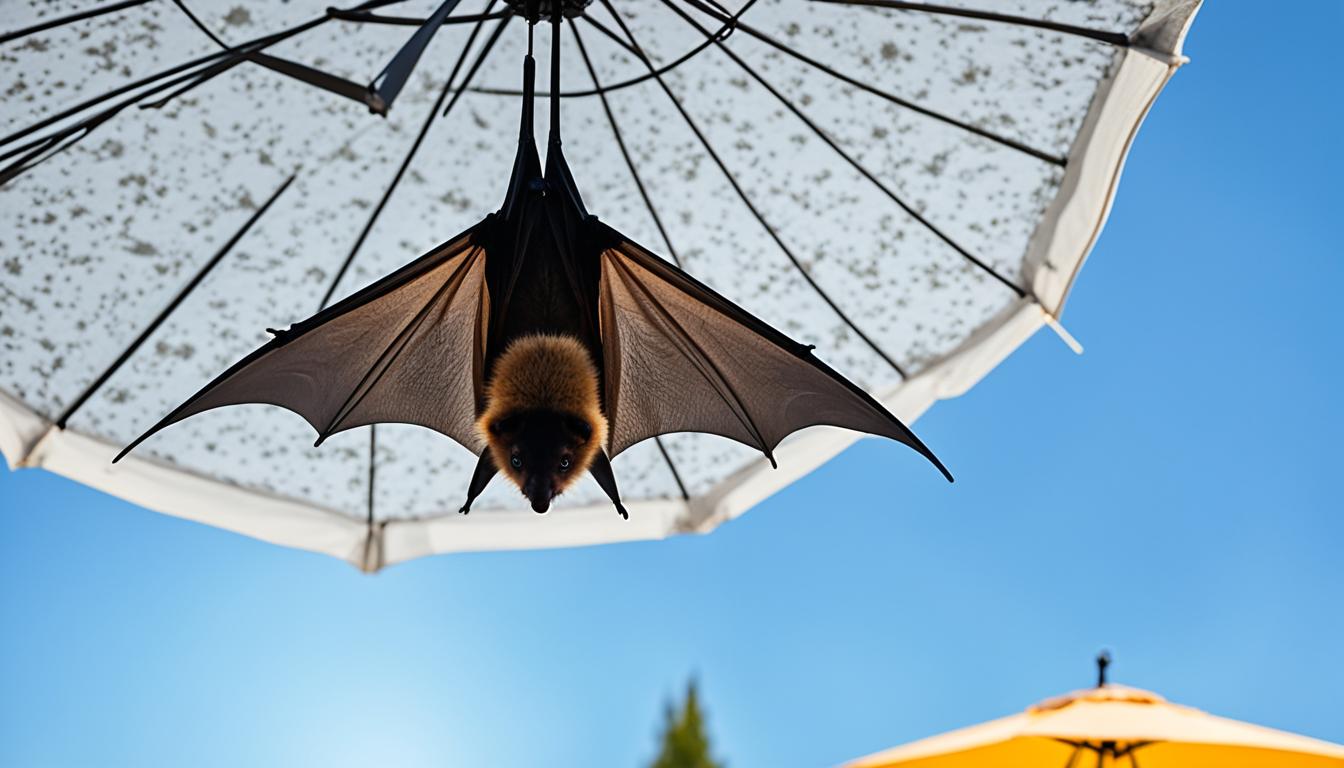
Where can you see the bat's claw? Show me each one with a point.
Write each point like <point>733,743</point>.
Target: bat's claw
<point>620,509</point>
<point>465,510</point>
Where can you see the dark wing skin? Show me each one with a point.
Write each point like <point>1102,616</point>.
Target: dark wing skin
<point>681,358</point>
<point>674,356</point>
<point>405,349</point>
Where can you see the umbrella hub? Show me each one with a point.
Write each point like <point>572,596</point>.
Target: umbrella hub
<point>546,9</point>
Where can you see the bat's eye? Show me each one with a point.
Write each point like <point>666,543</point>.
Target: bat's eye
<point>564,464</point>
<point>516,462</point>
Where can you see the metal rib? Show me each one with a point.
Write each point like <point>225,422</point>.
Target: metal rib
<point>363,17</point>
<point>415,147</point>
<point>676,476</point>
<point>388,83</point>
<point>89,14</point>
<point>475,65</point>
<point>96,100</point>
<point>722,32</point>
<point>210,33</point>
<point>43,123</point>
<point>648,203</point>
<point>373,449</point>
<point>1113,38</point>
<point>891,97</point>
<point>709,150</point>
<point>43,149</point>
<point>301,72</point>
<point>625,153</point>
<point>176,301</point>
<point>821,134</point>
<point>170,72</point>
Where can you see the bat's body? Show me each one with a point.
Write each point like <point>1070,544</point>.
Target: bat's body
<point>546,342</point>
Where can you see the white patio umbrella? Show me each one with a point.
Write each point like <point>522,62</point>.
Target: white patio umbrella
<point>911,187</point>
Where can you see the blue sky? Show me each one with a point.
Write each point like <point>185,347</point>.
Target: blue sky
<point>1173,495</point>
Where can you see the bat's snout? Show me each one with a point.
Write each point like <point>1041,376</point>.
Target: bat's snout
<point>540,493</point>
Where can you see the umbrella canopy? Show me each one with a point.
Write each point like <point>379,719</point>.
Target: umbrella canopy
<point>910,187</point>
<point>1112,725</point>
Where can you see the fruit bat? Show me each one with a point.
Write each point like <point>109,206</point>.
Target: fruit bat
<point>545,342</point>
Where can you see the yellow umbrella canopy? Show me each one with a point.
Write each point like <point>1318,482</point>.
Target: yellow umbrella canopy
<point>1111,725</point>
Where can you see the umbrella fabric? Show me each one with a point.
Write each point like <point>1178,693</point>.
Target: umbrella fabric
<point>1119,726</point>
<point>912,190</point>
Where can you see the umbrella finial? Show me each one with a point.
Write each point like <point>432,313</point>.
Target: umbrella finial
<point>1103,661</point>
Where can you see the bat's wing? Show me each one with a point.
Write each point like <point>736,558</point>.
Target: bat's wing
<point>405,349</point>
<point>681,358</point>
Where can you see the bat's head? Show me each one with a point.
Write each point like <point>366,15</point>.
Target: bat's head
<point>543,420</point>
<point>542,451</point>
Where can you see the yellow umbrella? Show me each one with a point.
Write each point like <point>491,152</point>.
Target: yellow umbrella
<point>1111,725</point>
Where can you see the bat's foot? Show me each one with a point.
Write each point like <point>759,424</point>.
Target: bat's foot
<point>465,510</point>
<point>620,509</point>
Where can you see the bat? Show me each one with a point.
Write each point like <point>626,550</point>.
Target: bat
<point>545,342</point>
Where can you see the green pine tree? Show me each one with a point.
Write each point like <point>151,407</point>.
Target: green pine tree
<point>684,741</point>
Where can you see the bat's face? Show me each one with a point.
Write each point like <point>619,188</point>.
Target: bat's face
<point>542,452</point>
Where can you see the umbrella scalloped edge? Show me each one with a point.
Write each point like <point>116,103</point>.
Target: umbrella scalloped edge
<point>1055,254</point>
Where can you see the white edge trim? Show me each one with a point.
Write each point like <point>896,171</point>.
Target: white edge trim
<point>1073,221</point>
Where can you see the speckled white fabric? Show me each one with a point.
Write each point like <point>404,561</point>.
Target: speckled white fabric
<point>98,239</point>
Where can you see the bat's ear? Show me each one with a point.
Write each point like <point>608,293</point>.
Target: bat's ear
<point>579,428</point>
<point>506,425</point>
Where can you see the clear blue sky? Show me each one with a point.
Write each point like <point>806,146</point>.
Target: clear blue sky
<point>1174,495</point>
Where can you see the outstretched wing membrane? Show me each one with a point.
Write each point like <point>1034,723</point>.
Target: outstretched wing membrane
<point>681,358</point>
<point>405,349</point>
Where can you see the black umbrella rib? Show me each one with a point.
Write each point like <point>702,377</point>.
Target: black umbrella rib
<point>653,213</point>
<point>1113,38</point>
<point>886,95</point>
<point>182,6</point>
<point>415,146</point>
<point>249,51</point>
<point>672,467</point>
<point>364,17</point>
<point>475,65</point>
<point>252,52</point>
<point>40,150</point>
<point>72,18</point>
<point>301,72</point>
<point>373,449</point>
<point>821,134</point>
<point>43,123</point>
<point>150,79</point>
<point>746,200</point>
<point>387,84</point>
<point>176,301</point>
<point>722,32</point>
<point>625,152</point>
